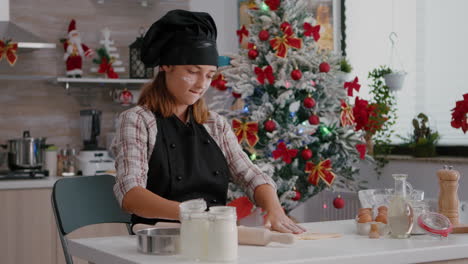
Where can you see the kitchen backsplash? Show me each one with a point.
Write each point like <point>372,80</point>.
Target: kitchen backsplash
<point>44,107</point>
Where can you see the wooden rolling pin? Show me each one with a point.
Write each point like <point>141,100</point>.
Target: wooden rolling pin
<point>262,236</point>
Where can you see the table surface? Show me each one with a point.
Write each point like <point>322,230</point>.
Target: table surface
<point>350,248</point>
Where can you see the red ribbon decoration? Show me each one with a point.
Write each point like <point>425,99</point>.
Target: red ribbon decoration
<point>361,148</point>
<point>266,73</point>
<point>352,85</point>
<point>243,207</point>
<point>219,83</point>
<point>310,30</point>
<point>346,116</point>
<point>286,154</point>
<point>241,33</point>
<point>106,67</point>
<point>246,131</point>
<point>9,49</point>
<point>323,171</point>
<point>281,44</point>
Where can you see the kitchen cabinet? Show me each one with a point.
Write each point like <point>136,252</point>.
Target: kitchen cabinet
<point>28,233</point>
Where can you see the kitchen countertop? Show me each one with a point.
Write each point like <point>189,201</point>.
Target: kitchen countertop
<point>44,183</point>
<point>350,248</point>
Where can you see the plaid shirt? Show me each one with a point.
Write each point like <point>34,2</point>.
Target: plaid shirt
<point>135,140</point>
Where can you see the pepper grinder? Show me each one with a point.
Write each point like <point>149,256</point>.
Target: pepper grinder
<point>448,193</point>
<point>448,198</point>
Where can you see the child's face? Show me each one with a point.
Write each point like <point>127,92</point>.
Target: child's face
<point>188,83</point>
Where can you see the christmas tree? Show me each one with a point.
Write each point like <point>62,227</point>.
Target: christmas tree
<point>109,58</point>
<point>292,114</point>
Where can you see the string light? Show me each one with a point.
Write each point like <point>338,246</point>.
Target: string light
<point>325,131</point>
<point>264,7</point>
<point>253,156</point>
<point>246,109</point>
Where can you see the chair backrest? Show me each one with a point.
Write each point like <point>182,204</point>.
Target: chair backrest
<point>85,200</point>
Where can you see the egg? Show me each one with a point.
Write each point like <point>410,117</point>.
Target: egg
<point>381,218</point>
<point>364,218</point>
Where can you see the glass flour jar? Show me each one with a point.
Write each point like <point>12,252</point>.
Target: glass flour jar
<point>419,208</point>
<point>222,238</point>
<point>193,229</point>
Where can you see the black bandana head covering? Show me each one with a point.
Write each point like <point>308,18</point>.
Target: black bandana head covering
<point>181,38</point>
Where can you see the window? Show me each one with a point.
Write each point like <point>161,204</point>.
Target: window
<point>432,46</point>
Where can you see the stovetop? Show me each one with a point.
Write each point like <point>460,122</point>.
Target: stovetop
<point>23,174</point>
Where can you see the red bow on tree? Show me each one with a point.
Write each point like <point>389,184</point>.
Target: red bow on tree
<point>460,114</point>
<point>284,152</point>
<point>361,148</point>
<point>9,49</point>
<point>323,171</point>
<point>346,117</point>
<point>106,67</point>
<point>352,85</point>
<point>266,73</point>
<point>241,33</point>
<point>243,207</point>
<point>246,131</point>
<point>310,30</point>
<point>219,83</point>
<point>281,44</point>
<point>273,4</point>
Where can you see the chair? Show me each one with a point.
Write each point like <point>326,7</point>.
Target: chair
<point>82,201</point>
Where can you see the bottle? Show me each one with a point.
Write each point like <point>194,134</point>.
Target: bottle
<point>400,213</point>
<point>69,162</point>
<point>193,229</point>
<point>222,239</point>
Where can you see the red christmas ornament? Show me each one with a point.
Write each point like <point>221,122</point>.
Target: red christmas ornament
<point>263,35</point>
<point>314,120</point>
<point>306,154</point>
<point>338,202</point>
<point>125,97</point>
<point>273,4</point>
<point>236,95</point>
<point>296,74</point>
<point>297,197</point>
<point>324,67</point>
<point>253,54</point>
<point>270,125</point>
<point>309,102</point>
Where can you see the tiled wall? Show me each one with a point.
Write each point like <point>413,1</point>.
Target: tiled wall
<point>44,107</point>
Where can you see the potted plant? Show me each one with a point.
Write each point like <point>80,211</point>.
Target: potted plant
<point>395,80</point>
<point>424,140</point>
<point>344,74</point>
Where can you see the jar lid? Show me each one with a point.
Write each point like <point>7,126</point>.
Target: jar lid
<point>435,223</point>
<point>195,205</point>
<point>223,212</point>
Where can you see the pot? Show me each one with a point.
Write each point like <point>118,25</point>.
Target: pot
<point>159,241</point>
<point>26,152</point>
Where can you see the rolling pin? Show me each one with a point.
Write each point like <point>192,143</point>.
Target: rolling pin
<point>262,236</point>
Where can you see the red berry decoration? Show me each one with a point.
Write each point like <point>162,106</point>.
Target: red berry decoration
<point>253,54</point>
<point>263,35</point>
<point>309,102</point>
<point>338,202</point>
<point>297,197</point>
<point>270,125</point>
<point>314,120</point>
<point>324,67</point>
<point>296,74</point>
<point>236,95</point>
<point>306,154</point>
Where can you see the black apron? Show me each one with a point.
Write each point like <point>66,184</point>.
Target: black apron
<point>186,163</point>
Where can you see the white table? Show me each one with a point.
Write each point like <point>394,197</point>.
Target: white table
<point>350,248</point>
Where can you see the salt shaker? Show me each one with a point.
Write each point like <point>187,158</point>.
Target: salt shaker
<point>222,238</point>
<point>448,194</point>
<point>193,229</point>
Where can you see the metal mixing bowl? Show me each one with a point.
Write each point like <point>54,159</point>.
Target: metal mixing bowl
<point>159,241</point>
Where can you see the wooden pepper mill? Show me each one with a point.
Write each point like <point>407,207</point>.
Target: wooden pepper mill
<point>448,197</point>
<point>448,193</point>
